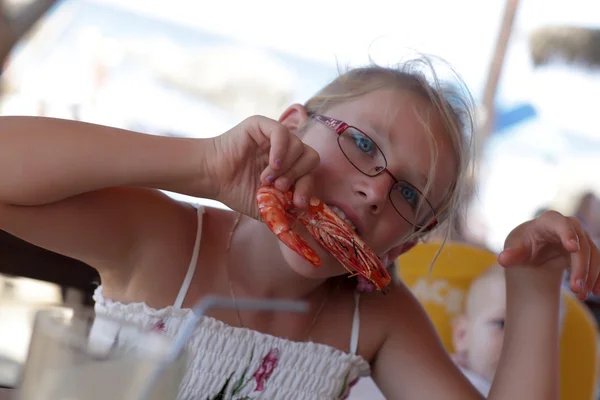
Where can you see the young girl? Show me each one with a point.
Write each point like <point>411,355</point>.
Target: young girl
<point>90,192</point>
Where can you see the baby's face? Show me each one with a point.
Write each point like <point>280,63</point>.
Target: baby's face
<point>485,327</point>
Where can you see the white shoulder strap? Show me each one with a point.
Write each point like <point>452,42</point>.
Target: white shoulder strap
<point>355,324</point>
<point>192,267</point>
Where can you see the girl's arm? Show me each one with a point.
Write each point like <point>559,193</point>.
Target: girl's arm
<point>85,191</point>
<point>528,367</point>
<point>413,364</point>
<point>89,191</point>
<point>44,160</point>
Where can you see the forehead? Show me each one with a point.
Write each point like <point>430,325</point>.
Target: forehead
<point>488,295</point>
<point>411,134</point>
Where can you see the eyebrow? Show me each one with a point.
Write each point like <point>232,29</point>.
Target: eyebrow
<point>377,130</point>
<point>421,179</point>
<point>418,179</point>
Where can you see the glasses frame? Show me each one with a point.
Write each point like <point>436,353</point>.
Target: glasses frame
<point>339,127</point>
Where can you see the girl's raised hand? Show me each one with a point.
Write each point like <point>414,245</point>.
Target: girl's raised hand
<point>553,242</point>
<point>256,151</point>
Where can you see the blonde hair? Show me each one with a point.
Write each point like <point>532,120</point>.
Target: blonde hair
<point>452,102</point>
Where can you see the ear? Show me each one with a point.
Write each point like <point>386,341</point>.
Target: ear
<point>459,334</point>
<point>294,118</point>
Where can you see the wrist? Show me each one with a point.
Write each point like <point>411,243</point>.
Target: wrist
<point>530,279</point>
<point>532,285</point>
<point>180,165</point>
<point>205,182</point>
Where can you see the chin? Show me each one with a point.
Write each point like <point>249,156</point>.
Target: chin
<point>329,267</point>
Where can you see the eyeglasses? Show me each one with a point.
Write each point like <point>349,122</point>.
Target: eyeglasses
<point>364,154</point>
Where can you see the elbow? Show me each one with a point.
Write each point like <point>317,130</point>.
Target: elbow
<point>9,199</point>
<point>4,214</point>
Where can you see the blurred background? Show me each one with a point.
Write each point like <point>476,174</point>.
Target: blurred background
<point>191,68</point>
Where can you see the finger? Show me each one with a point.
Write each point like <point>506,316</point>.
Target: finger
<point>594,274</point>
<point>303,165</point>
<point>595,265</point>
<point>303,190</point>
<point>580,257</point>
<point>592,285</point>
<point>593,270</point>
<point>293,152</point>
<point>513,257</point>
<point>566,229</point>
<point>271,137</point>
<point>280,139</point>
<point>574,240</point>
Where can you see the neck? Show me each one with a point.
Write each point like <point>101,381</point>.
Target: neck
<point>257,267</point>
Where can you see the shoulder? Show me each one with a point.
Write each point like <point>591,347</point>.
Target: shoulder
<point>396,315</point>
<point>396,307</point>
<point>169,234</point>
<point>175,220</point>
<point>167,226</point>
<point>216,221</point>
<point>410,360</point>
<point>384,312</point>
<point>398,320</point>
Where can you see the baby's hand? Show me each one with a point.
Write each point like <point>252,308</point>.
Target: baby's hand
<point>554,242</point>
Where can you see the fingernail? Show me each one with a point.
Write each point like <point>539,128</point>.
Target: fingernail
<point>278,162</point>
<point>579,283</point>
<point>576,242</point>
<point>270,179</point>
<point>303,200</point>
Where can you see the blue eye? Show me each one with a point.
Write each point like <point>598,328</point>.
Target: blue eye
<point>363,143</point>
<point>410,194</point>
<point>499,323</point>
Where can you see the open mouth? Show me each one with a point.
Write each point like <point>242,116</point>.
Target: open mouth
<point>343,216</point>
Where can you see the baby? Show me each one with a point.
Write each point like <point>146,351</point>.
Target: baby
<point>478,333</point>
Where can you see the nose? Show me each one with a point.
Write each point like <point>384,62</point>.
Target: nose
<point>374,191</point>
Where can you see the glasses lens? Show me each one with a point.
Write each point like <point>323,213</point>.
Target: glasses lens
<point>368,158</point>
<point>362,151</point>
<point>411,204</point>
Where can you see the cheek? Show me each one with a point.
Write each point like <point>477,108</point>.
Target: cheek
<point>488,341</point>
<point>481,338</point>
<point>497,342</point>
<point>327,147</point>
<point>333,170</point>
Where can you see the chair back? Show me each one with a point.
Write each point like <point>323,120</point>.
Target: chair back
<point>442,287</point>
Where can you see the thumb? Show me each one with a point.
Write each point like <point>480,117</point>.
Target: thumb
<point>514,256</point>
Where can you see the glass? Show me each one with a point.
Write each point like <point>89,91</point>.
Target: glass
<point>77,355</point>
<point>364,154</point>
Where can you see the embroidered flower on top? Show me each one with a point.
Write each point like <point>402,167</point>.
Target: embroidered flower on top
<point>347,392</point>
<point>159,327</point>
<point>266,368</point>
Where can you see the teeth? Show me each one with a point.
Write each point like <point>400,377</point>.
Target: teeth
<point>341,214</point>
